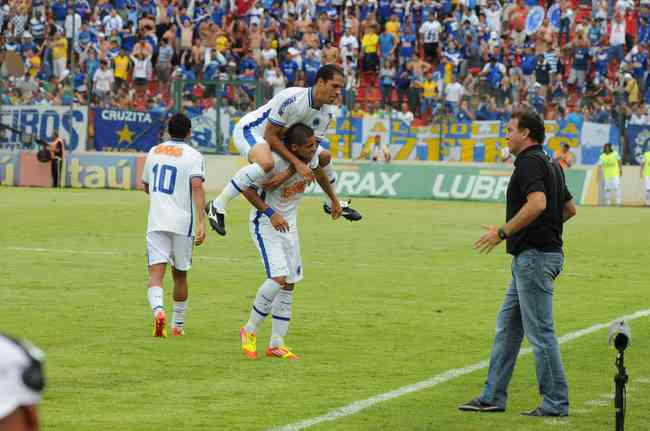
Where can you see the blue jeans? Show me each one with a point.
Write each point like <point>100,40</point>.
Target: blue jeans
<point>528,309</point>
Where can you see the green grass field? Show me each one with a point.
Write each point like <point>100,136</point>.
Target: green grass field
<point>387,302</point>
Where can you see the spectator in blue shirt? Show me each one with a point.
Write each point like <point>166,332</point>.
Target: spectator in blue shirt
<point>290,70</point>
<point>386,45</point>
<point>310,66</point>
<point>383,12</point>
<point>578,73</point>
<point>407,45</point>
<point>60,11</point>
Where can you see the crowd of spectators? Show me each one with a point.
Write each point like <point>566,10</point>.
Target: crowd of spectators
<point>414,60</point>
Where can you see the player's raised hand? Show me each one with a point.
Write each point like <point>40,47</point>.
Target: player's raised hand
<point>200,234</point>
<point>489,240</point>
<point>305,172</point>
<point>279,223</point>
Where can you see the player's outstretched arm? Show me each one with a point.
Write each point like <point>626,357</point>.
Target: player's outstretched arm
<point>324,183</point>
<point>198,196</point>
<point>273,135</point>
<point>278,222</point>
<point>278,179</point>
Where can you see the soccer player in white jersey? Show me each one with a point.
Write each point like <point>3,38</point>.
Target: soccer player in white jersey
<point>173,178</point>
<point>274,231</point>
<point>259,133</point>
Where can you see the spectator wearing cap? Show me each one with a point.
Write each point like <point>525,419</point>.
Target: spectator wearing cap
<point>528,65</point>
<point>21,385</point>
<point>493,73</point>
<point>103,80</point>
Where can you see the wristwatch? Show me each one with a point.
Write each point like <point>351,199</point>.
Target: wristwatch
<point>502,234</point>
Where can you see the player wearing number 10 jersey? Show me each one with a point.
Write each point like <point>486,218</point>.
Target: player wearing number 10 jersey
<point>173,177</point>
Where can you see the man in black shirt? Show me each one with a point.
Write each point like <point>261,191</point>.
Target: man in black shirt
<point>56,150</point>
<point>538,203</point>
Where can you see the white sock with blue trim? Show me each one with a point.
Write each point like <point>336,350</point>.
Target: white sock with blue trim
<point>178,317</point>
<point>243,179</point>
<point>262,304</point>
<point>281,313</point>
<point>155,296</point>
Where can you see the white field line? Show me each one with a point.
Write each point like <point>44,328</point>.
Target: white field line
<point>256,259</point>
<point>448,375</point>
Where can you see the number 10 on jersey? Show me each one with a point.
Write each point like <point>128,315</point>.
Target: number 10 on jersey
<point>164,179</point>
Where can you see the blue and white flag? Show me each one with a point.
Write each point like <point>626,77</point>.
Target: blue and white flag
<point>117,130</point>
<point>638,141</point>
<point>534,19</point>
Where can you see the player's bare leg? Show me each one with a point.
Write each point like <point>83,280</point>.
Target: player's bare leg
<point>155,296</point>
<point>261,162</point>
<point>180,301</point>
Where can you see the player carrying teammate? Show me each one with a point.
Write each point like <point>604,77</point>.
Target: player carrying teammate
<point>274,231</point>
<point>260,132</point>
<point>173,177</point>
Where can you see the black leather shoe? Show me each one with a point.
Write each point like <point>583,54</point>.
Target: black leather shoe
<point>538,412</point>
<point>476,405</point>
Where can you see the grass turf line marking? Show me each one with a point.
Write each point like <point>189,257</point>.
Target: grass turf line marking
<point>448,375</point>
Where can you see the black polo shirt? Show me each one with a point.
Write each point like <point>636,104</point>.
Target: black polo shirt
<point>535,172</point>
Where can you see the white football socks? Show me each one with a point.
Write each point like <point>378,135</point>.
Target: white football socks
<point>155,296</point>
<point>608,197</point>
<point>647,197</point>
<point>262,304</point>
<point>618,197</point>
<point>178,318</point>
<point>243,179</point>
<point>281,313</point>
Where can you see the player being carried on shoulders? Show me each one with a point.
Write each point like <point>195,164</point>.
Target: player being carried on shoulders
<point>274,230</point>
<point>260,132</point>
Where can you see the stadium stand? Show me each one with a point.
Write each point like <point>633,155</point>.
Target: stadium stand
<point>465,59</point>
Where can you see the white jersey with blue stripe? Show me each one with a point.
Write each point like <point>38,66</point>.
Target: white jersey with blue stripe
<point>169,170</point>
<point>290,106</point>
<point>284,199</point>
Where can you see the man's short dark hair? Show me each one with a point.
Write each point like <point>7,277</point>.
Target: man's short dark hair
<point>531,120</point>
<point>327,72</point>
<point>179,126</point>
<point>298,134</point>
